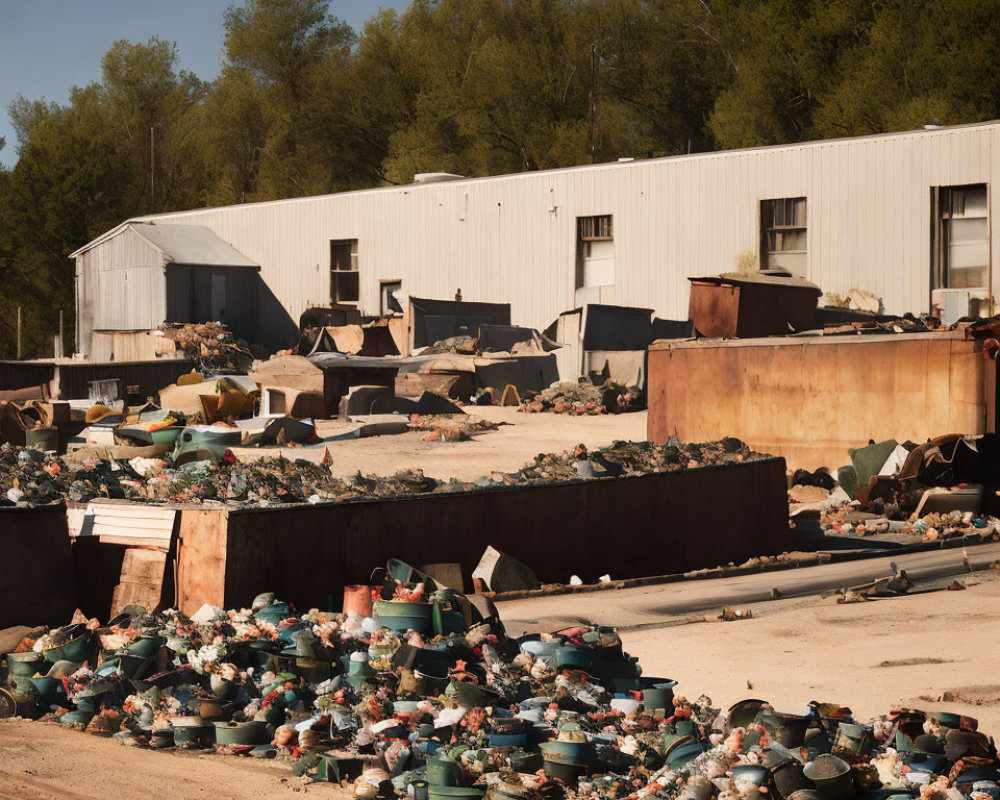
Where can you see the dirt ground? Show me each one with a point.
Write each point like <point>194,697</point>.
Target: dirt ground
<point>930,651</point>
<point>869,656</point>
<point>508,448</point>
<point>46,761</point>
<point>933,649</point>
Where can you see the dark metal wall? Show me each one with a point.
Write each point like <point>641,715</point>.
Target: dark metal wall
<point>189,297</point>
<point>627,527</point>
<point>36,584</point>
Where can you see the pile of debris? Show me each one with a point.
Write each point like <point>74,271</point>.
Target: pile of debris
<point>462,345</point>
<point>211,344</point>
<point>586,398</point>
<point>32,477</point>
<point>630,459</point>
<point>416,688</point>
<point>949,526</point>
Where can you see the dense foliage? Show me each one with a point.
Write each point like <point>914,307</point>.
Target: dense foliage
<point>306,105</point>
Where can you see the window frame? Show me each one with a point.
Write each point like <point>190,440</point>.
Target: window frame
<point>595,228</point>
<point>382,296</point>
<point>767,213</point>
<point>942,213</point>
<point>337,270</point>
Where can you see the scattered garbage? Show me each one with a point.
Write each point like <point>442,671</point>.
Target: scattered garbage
<point>211,344</point>
<point>586,398</point>
<point>427,696</point>
<point>210,472</point>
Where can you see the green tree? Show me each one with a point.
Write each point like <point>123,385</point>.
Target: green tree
<point>917,61</point>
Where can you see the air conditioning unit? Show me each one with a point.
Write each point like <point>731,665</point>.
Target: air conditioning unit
<point>958,303</point>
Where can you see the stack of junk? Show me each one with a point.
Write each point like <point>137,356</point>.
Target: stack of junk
<point>207,471</point>
<point>942,492</point>
<point>415,690</point>
<point>377,374</point>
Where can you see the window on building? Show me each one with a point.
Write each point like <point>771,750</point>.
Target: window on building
<point>783,235</point>
<point>595,253</point>
<point>961,245</point>
<point>344,284</point>
<point>388,304</point>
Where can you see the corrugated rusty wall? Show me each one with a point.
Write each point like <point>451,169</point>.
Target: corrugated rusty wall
<point>121,285</point>
<point>513,238</point>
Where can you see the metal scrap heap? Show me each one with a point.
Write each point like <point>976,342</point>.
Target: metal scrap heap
<point>416,690</point>
<point>33,477</point>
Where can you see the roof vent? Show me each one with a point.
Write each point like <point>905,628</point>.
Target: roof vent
<point>436,177</point>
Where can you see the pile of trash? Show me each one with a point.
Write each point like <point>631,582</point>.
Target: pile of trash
<point>630,459</point>
<point>463,345</point>
<point>416,690</point>
<point>211,344</point>
<point>964,526</point>
<point>586,398</point>
<point>938,491</point>
<point>33,477</point>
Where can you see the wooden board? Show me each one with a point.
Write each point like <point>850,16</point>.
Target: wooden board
<point>133,524</point>
<point>141,581</point>
<point>201,559</point>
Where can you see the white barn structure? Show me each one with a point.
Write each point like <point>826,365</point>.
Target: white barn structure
<point>900,215</point>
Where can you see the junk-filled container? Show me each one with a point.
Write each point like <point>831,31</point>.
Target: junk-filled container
<point>744,305</point>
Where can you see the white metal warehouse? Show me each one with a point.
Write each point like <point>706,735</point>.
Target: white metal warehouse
<point>900,215</point>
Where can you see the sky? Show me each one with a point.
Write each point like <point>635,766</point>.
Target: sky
<point>49,46</point>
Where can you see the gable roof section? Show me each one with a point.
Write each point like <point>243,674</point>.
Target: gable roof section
<point>193,245</point>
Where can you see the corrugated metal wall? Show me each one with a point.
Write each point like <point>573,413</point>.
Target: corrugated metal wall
<point>120,286</point>
<point>512,238</point>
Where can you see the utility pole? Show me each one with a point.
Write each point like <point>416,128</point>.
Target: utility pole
<point>60,353</point>
<point>19,333</point>
<point>593,102</point>
<point>152,163</point>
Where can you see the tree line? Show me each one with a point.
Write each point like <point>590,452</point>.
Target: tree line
<point>306,105</point>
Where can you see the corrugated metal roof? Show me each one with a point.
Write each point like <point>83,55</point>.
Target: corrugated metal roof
<point>193,245</point>
<point>616,166</point>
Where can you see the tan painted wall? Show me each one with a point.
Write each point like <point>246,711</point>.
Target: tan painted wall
<point>808,400</point>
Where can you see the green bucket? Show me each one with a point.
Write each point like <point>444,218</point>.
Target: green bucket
<point>403,615</point>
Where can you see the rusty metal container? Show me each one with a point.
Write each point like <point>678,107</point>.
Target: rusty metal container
<point>745,305</point>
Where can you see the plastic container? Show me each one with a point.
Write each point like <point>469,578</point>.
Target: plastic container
<point>359,599</point>
<point>404,615</point>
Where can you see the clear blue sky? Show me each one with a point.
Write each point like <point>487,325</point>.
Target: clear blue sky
<point>49,46</point>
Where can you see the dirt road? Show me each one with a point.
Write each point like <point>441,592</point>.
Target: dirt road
<point>910,650</point>
<point>510,447</point>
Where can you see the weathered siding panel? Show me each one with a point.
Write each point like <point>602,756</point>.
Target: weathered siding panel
<point>121,286</point>
<point>512,238</point>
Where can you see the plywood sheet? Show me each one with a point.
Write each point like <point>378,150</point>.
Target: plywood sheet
<point>141,582</point>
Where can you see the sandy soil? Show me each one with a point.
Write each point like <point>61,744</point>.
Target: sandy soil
<point>868,656</point>
<point>506,449</point>
<point>46,761</point>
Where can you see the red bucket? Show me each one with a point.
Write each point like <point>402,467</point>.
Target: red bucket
<point>358,598</point>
